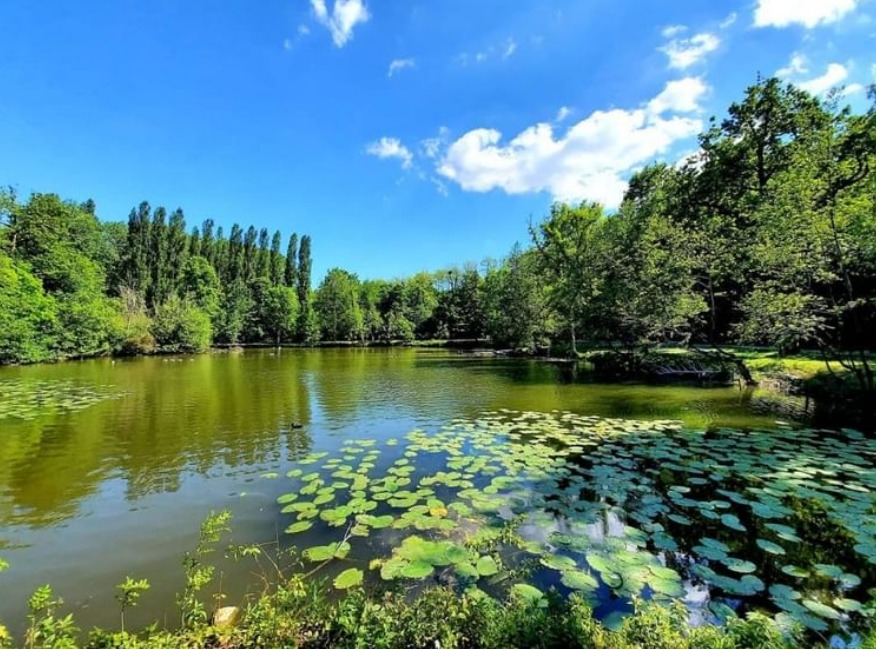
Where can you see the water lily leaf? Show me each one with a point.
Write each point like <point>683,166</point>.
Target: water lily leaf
<point>527,593</point>
<point>732,521</point>
<point>487,566</point>
<point>740,566</point>
<point>822,610</point>
<point>300,526</point>
<point>326,552</point>
<point>770,547</point>
<point>350,578</point>
<point>578,580</point>
<point>795,571</point>
<point>417,570</point>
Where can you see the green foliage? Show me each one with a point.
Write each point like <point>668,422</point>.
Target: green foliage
<point>337,306</point>
<point>279,313</point>
<point>198,573</point>
<point>28,317</point>
<point>180,325</point>
<point>45,630</point>
<point>128,593</point>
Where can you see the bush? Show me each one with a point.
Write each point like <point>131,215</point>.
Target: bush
<point>181,326</point>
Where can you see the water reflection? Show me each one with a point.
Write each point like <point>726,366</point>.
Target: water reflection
<point>120,486</point>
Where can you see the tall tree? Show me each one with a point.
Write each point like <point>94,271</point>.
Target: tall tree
<point>337,306</point>
<point>177,250</point>
<point>277,259</point>
<point>159,288</point>
<point>290,273</point>
<point>263,258</point>
<point>305,264</point>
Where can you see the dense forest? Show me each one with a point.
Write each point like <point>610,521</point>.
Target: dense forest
<point>766,236</point>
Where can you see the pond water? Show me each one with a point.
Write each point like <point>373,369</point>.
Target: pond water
<point>418,467</point>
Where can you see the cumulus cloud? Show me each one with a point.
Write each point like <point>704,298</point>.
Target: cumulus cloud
<point>342,19</point>
<point>562,114</point>
<point>809,13</point>
<point>589,161</point>
<point>390,148</point>
<point>433,146</point>
<point>680,96</point>
<point>798,65</point>
<point>836,73</point>
<point>510,48</point>
<point>729,21</point>
<point>398,65</point>
<point>673,30</point>
<point>685,52</point>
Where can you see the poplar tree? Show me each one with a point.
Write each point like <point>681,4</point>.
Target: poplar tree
<point>263,258</point>
<point>277,259</point>
<point>305,264</point>
<point>158,290</point>
<point>291,271</point>
<point>177,249</point>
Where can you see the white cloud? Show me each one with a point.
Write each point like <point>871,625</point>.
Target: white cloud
<point>809,13</point>
<point>504,52</point>
<point>562,114</point>
<point>287,44</point>
<point>304,30</point>
<point>681,96</point>
<point>797,66</point>
<point>836,73</point>
<point>589,161</point>
<point>400,64</point>
<point>685,52</point>
<point>342,19</point>
<point>432,147</point>
<point>729,21</point>
<point>388,148</point>
<point>673,30</point>
<point>853,89</point>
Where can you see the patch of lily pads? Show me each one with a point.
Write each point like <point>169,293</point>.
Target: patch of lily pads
<point>27,400</point>
<point>606,508</point>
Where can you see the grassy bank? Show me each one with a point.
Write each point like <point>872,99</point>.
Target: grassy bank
<point>302,613</point>
<point>299,609</point>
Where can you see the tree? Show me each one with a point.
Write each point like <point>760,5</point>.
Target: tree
<point>277,261</point>
<point>27,315</point>
<point>177,250</point>
<point>337,306</point>
<point>280,312</point>
<point>305,264</point>
<point>290,273</point>
<point>568,253</point>
<point>200,285</point>
<point>263,260</point>
<point>182,326</point>
<point>515,305</point>
<point>159,287</point>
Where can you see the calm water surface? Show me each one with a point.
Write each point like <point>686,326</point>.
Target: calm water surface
<point>119,488</point>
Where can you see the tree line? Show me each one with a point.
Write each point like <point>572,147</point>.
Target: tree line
<point>74,286</point>
<point>766,236</point>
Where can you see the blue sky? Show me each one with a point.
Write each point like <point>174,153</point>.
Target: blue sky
<point>402,135</point>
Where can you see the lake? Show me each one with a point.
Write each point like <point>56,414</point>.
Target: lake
<point>418,458</point>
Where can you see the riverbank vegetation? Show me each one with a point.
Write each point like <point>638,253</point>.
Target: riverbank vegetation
<point>766,236</point>
<point>297,609</point>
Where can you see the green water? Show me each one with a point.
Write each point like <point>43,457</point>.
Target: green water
<point>108,470</point>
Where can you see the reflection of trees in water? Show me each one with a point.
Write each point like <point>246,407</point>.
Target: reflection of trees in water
<point>177,417</point>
